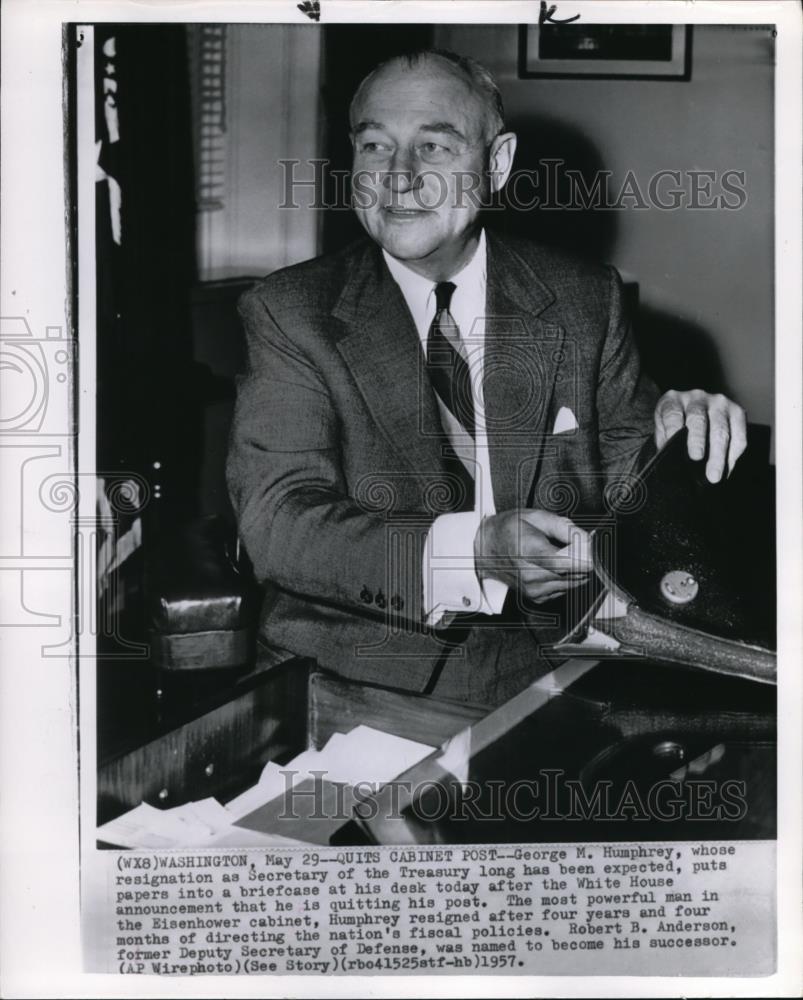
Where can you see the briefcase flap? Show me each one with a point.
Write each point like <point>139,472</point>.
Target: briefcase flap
<point>691,553</point>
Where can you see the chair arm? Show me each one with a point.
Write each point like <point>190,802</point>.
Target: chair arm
<point>202,605</point>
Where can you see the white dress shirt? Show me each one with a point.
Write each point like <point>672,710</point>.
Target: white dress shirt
<point>450,579</point>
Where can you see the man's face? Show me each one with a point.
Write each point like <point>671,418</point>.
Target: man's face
<point>420,162</point>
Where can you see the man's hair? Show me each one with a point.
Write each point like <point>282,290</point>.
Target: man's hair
<point>475,73</point>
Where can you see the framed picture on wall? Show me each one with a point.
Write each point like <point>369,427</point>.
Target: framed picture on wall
<point>606,51</point>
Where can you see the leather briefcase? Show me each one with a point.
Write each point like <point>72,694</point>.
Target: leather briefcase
<point>687,572</point>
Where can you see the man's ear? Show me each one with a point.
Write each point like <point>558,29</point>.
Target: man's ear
<point>500,160</point>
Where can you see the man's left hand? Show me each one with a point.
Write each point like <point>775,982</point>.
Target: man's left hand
<point>713,421</point>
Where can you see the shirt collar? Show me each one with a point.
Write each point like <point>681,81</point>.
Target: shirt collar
<point>418,290</point>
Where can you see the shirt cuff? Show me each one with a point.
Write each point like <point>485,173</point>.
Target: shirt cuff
<point>450,581</point>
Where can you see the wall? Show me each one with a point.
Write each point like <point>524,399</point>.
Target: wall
<point>705,277</point>
<point>272,113</point>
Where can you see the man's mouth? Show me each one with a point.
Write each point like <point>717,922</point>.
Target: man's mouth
<point>398,212</point>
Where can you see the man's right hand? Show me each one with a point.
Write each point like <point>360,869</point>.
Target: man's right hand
<point>539,553</point>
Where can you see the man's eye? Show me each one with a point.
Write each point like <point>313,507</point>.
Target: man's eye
<point>374,147</point>
<point>433,151</point>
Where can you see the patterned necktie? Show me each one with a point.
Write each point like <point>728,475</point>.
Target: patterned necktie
<point>448,372</point>
<point>451,379</point>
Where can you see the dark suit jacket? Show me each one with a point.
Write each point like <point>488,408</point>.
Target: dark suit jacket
<point>336,469</point>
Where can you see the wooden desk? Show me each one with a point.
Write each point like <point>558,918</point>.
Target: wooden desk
<point>615,721</point>
<point>269,716</point>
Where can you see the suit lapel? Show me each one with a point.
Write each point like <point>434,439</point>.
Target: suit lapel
<point>382,350</point>
<point>522,356</point>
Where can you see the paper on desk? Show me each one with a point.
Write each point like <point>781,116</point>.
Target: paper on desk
<point>146,826</point>
<point>274,781</point>
<point>188,825</point>
<point>238,836</point>
<point>203,819</point>
<point>271,783</point>
<point>363,755</point>
<point>317,809</point>
<point>369,755</point>
<point>138,828</point>
<point>364,758</point>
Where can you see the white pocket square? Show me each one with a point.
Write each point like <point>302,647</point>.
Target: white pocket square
<point>565,421</point>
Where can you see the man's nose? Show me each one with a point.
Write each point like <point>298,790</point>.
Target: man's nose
<point>402,175</point>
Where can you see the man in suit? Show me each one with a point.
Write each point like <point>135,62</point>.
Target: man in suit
<point>429,416</point>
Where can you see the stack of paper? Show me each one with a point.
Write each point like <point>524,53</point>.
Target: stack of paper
<point>322,783</point>
<point>320,787</point>
<point>188,825</point>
